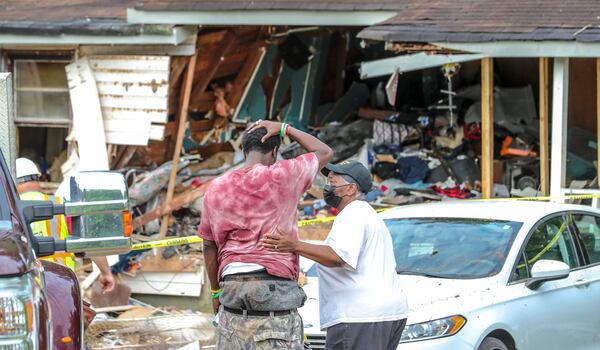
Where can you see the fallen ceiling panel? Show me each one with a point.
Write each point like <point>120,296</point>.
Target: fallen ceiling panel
<point>407,63</point>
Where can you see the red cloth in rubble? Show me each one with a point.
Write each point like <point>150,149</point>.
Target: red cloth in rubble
<point>454,192</point>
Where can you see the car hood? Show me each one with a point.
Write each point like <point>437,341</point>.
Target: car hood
<point>428,298</point>
<point>432,298</point>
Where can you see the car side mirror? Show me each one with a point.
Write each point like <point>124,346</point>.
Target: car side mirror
<point>99,208</point>
<point>547,270</point>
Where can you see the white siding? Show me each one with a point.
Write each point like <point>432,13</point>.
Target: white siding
<point>133,92</point>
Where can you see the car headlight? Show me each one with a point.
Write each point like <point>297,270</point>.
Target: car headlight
<point>443,327</point>
<point>17,313</point>
<point>14,316</point>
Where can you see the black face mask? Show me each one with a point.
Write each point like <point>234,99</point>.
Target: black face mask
<point>330,197</point>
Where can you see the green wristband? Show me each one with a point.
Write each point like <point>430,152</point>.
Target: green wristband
<point>217,295</point>
<point>282,130</point>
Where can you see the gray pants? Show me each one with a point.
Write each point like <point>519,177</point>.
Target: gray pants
<point>260,292</point>
<point>360,336</point>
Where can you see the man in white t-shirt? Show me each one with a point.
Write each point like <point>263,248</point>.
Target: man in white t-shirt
<point>362,305</point>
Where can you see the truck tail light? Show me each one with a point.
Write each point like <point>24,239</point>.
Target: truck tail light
<point>127,228</point>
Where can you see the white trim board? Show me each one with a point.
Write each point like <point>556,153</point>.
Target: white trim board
<point>523,49</point>
<point>260,17</point>
<point>177,36</point>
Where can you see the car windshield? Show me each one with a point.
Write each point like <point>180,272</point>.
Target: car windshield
<point>451,247</point>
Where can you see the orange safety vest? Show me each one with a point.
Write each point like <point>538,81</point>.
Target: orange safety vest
<point>57,228</point>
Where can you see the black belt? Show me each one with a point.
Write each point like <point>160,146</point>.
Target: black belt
<point>256,313</point>
<point>254,276</point>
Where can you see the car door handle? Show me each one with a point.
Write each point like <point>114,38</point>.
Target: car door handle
<point>581,283</point>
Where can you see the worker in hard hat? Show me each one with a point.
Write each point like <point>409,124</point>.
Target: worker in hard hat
<point>28,186</point>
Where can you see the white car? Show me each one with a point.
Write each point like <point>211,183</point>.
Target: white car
<point>495,275</point>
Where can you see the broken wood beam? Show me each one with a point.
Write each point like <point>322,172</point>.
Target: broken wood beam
<point>178,66</point>
<point>189,79</point>
<point>176,203</point>
<point>203,102</point>
<point>125,157</point>
<point>487,127</point>
<point>210,39</point>
<point>215,60</point>
<point>243,78</point>
<point>230,66</point>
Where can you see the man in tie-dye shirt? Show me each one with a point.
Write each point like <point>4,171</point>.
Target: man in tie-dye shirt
<point>255,291</point>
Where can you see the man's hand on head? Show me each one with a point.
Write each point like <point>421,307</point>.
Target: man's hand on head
<point>273,128</point>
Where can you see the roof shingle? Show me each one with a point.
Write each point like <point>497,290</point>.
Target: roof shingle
<point>490,20</point>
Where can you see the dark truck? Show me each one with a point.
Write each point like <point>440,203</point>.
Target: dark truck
<point>40,302</point>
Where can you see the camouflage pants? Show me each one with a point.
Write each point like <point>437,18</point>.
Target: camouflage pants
<point>237,332</point>
<point>260,292</point>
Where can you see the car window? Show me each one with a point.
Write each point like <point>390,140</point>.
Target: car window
<point>451,247</point>
<point>522,272</point>
<point>589,232</point>
<point>551,240</point>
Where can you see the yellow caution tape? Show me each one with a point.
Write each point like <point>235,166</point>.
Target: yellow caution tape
<point>167,242</point>
<point>543,198</point>
<point>302,223</point>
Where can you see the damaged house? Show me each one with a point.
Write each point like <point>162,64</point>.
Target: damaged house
<point>441,100</point>
<point>405,87</point>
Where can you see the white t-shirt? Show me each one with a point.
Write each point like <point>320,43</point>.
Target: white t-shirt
<point>367,289</point>
<point>240,267</point>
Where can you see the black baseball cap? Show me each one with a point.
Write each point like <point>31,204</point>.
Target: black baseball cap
<point>356,170</point>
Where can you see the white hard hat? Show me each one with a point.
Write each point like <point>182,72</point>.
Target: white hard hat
<point>27,170</point>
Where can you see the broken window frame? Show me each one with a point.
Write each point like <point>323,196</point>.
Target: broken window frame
<point>58,57</point>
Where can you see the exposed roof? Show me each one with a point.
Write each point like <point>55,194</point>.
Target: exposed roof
<point>490,20</point>
<point>233,5</point>
<point>522,211</point>
<point>63,10</point>
<point>54,17</point>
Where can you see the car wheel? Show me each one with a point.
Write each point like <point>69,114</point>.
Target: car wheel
<point>491,343</point>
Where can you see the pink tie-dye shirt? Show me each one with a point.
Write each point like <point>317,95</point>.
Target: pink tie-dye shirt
<point>243,205</point>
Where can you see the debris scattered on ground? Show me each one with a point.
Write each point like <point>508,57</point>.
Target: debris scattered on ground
<point>151,332</point>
